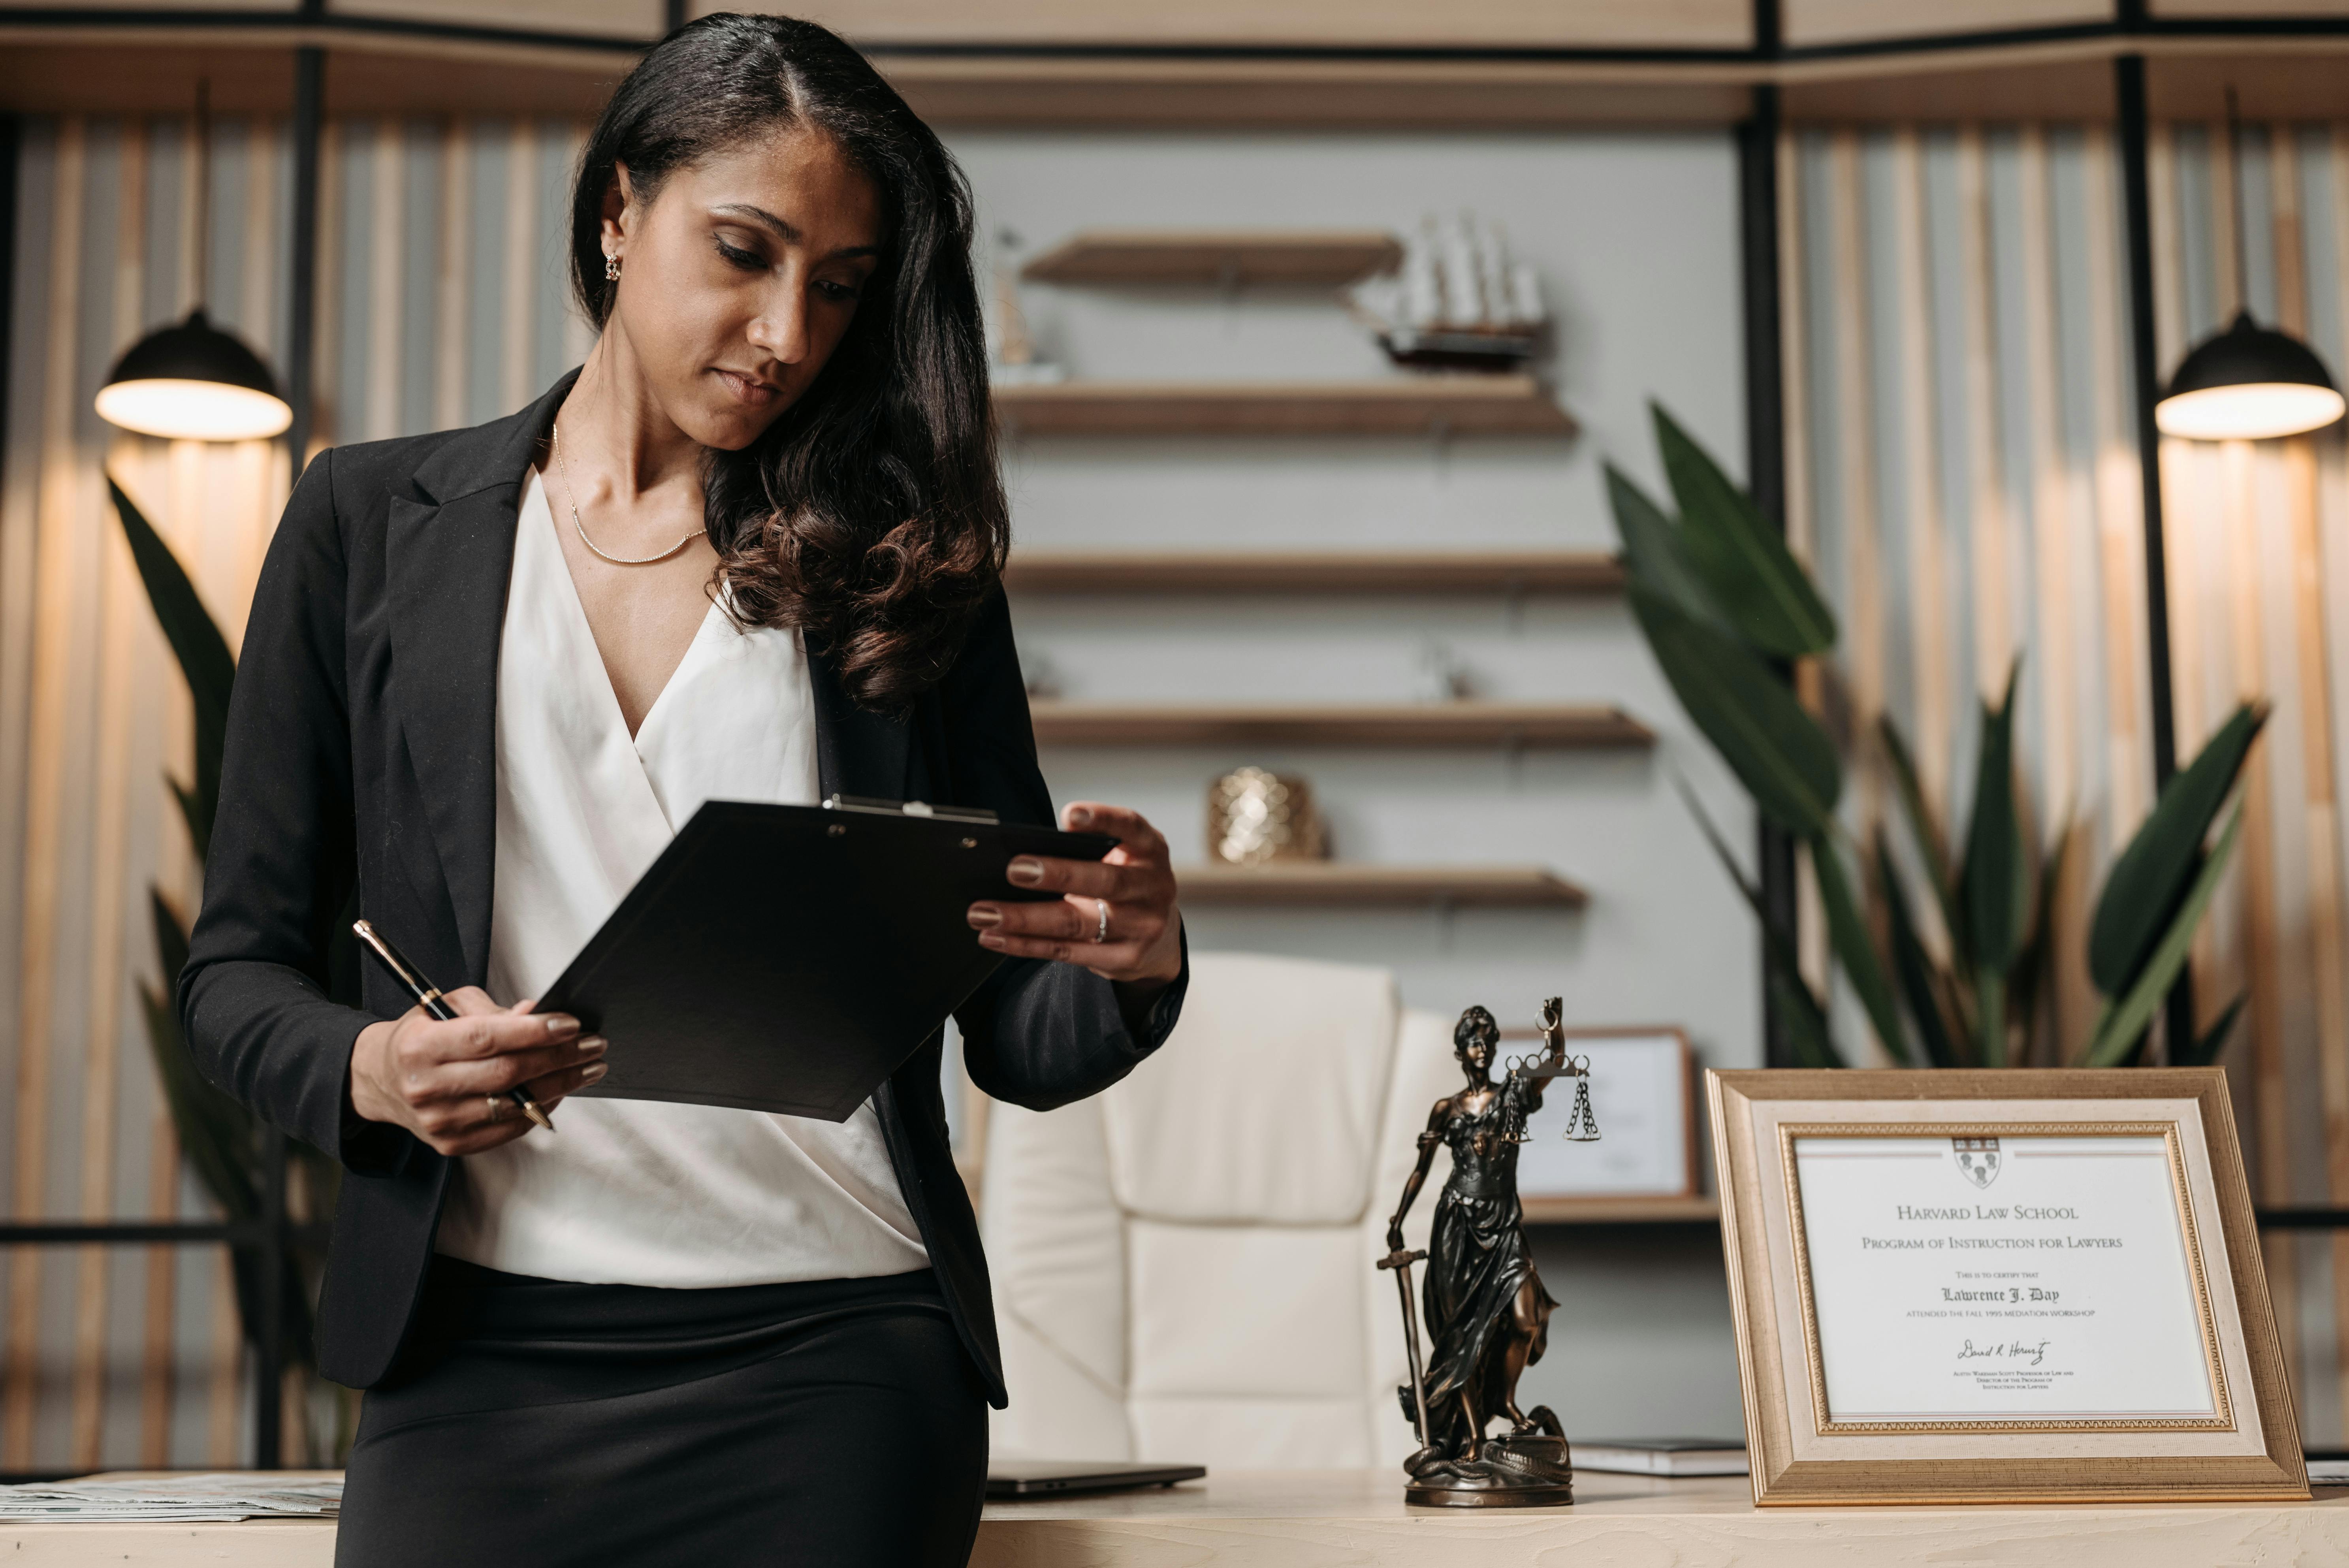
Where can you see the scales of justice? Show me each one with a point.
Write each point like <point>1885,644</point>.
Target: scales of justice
<point>1487,1314</point>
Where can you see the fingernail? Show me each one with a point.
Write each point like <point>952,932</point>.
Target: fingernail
<point>561,1023</point>
<point>594,1071</point>
<point>594,1045</point>
<point>1078,816</point>
<point>990,939</point>
<point>984,916</point>
<point>1026,871</point>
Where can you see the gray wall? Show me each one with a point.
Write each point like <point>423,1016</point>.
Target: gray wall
<point>1635,236</point>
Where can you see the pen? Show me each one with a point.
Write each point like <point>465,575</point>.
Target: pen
<point>428,996</point>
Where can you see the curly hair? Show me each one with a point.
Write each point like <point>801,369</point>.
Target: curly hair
<point>870,516</point>
<point>1475,1025</point>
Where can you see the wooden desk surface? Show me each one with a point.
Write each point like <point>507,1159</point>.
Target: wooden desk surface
<point>1296,1518</point>
<point>1319,1519</point>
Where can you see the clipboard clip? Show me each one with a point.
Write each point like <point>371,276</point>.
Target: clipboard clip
<point>870,807</point>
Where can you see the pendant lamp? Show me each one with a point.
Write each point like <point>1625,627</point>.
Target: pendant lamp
<point>2248,382</point>
<point>193,381</point>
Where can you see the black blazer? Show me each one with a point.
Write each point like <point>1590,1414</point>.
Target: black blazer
<point>361,754</point>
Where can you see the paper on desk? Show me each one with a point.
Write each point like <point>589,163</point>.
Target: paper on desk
<point>190,1498</point>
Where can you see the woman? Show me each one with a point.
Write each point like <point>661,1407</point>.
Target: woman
<point>1487,1313</point>
<point>750,551</point>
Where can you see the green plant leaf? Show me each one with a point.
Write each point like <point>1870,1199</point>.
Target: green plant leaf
<point>2033,966</point>
<point>2204,1053</point>
<point>1989,1017</point>
<point>1653,552</point>
<point>1911,965</point>
<point>2125,1018</point>
<point>219,1137</point>
<point>1924,830</point>
<point>194,813</point>
<point>215,1132</point>
<point>1747,571</point>
<point>1994,875</point>
<point>1778,750</point>
<point>1799,1013</point>
<point>2149,877</point>
<point>202,653</point>
<point>1855,949</point>
<point>1806,1021</point>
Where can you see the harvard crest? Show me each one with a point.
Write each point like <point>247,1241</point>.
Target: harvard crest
<point>1977,1158</point>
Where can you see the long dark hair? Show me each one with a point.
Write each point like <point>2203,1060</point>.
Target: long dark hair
<point>871,515</point>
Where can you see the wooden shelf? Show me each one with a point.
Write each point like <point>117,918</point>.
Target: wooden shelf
<point>1226,257</point>
<point>1292,882</point>
<point>1400,405</point>
<point>1313,572</point>
<point>1628,1211</point>
<point>1546,726</point>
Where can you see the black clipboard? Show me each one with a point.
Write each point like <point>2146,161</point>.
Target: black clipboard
<point>789,958</point>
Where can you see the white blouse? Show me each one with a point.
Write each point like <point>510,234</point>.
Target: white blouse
<point>640,1191</point>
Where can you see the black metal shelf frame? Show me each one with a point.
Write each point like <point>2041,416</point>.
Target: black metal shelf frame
<point>270,1238</point>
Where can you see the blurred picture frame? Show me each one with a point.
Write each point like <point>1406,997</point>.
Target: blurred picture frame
<point>2015,1286</point>
<point>1643,1093</point>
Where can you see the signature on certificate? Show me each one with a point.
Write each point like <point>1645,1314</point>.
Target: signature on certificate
<point>2013,1350</point>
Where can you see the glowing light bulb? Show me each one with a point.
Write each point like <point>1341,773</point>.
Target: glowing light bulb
<point>193,382</point>
<point>194,410</point>
<point>2249,383</point>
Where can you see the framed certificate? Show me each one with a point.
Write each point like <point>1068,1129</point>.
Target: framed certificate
<point>1998,1286</point>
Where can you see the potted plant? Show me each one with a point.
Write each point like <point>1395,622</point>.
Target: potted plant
<point>1727,610</point>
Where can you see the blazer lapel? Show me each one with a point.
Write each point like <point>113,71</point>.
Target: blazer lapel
<point>451,564</point>
<point>451,559</point>
<point>858,753</point>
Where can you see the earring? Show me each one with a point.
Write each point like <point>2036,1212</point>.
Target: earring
<point>612,268</point>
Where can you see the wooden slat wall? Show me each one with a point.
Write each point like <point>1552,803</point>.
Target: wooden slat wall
<point>119,1357</point>
<point>1998,394</point>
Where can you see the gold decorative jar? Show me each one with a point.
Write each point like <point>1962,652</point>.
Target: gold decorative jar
<point>1255,816</point>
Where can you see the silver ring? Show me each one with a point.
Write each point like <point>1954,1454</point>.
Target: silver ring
<point>1101,933</point>
<point>497,1108</point>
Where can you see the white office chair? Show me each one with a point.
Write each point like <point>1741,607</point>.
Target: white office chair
<point>1183,1265</point>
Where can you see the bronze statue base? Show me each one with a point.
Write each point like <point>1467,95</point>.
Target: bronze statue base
<point>1511,1497</point>
<point>1529,1471</point>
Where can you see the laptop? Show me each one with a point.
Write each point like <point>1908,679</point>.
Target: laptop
<point>1052,1477</point>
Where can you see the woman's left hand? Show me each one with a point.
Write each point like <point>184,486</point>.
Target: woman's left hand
<point>1115,916</point>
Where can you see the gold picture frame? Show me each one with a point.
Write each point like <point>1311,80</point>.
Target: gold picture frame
<point>2243,1445</point>
<point>1686,1182</point>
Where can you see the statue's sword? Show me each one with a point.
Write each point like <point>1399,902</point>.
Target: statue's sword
<point>1400,1261</point>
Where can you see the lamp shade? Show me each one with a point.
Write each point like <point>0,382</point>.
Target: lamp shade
<point>193,382</point>
<point>2249,383</point>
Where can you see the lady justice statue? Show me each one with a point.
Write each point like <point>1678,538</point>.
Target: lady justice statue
<point>1487,1314</point>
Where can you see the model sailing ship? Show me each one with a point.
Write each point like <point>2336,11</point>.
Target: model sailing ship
<point>1457,301</point>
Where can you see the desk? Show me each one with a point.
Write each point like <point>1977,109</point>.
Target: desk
<point>1319,1519</point>
<point>1307,1518</point>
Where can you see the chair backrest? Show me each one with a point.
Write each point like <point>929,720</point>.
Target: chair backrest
<point>1183,1265</point>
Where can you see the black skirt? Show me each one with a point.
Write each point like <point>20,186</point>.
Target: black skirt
<point>537,1422</point>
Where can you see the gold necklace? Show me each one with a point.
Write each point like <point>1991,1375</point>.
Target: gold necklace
<point>572,493</point>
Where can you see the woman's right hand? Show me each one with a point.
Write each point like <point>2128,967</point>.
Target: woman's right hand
<point>446,1080</point>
